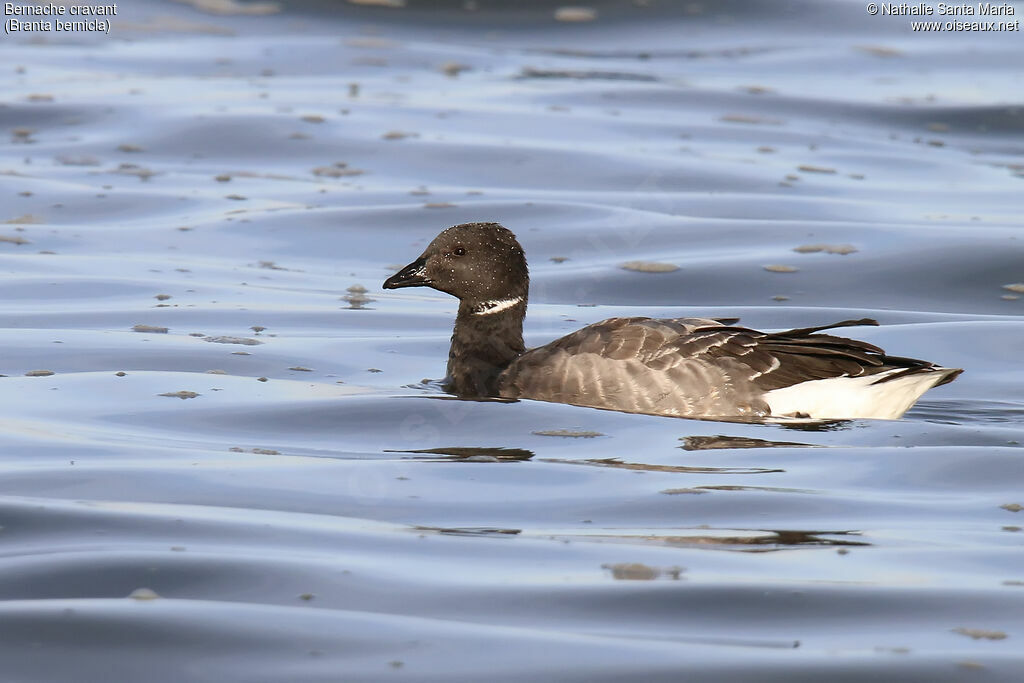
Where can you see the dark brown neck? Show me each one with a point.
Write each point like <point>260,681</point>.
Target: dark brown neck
<point>488,336</point>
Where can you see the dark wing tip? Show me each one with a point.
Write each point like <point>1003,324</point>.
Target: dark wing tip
<point>802,331</point>
<point>955,372</point>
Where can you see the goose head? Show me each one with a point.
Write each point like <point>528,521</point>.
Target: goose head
<point>479,263</point>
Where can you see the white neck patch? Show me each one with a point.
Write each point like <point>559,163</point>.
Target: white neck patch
<point>489,307</point>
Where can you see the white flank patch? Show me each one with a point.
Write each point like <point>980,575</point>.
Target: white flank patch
<point>497,306</point>
<point>844,398</point>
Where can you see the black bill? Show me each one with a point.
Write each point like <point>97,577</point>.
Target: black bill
<point>413,275</point>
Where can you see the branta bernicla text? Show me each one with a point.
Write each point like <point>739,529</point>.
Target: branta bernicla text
<point>684,367</point>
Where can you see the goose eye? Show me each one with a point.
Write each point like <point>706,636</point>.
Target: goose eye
<point>459,251</point>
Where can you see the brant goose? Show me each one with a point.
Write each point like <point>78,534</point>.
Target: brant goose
<point>684,367</point>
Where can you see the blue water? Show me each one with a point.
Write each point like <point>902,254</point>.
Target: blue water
<point>317,513</point>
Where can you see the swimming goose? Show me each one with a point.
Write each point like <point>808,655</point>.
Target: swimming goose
<point>684,367</point>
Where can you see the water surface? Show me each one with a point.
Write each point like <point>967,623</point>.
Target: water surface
<point>234,471</point>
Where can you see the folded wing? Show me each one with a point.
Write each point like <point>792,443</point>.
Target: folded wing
<point>696,367</point>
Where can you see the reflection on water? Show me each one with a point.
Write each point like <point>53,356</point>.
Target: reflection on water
<point>727,487</point>
<point>469,531</point>
<point>746,540</point>
<point>202,204</point>
<point>470,454</point>
<point>687,469</point>
<point>705,443</point>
